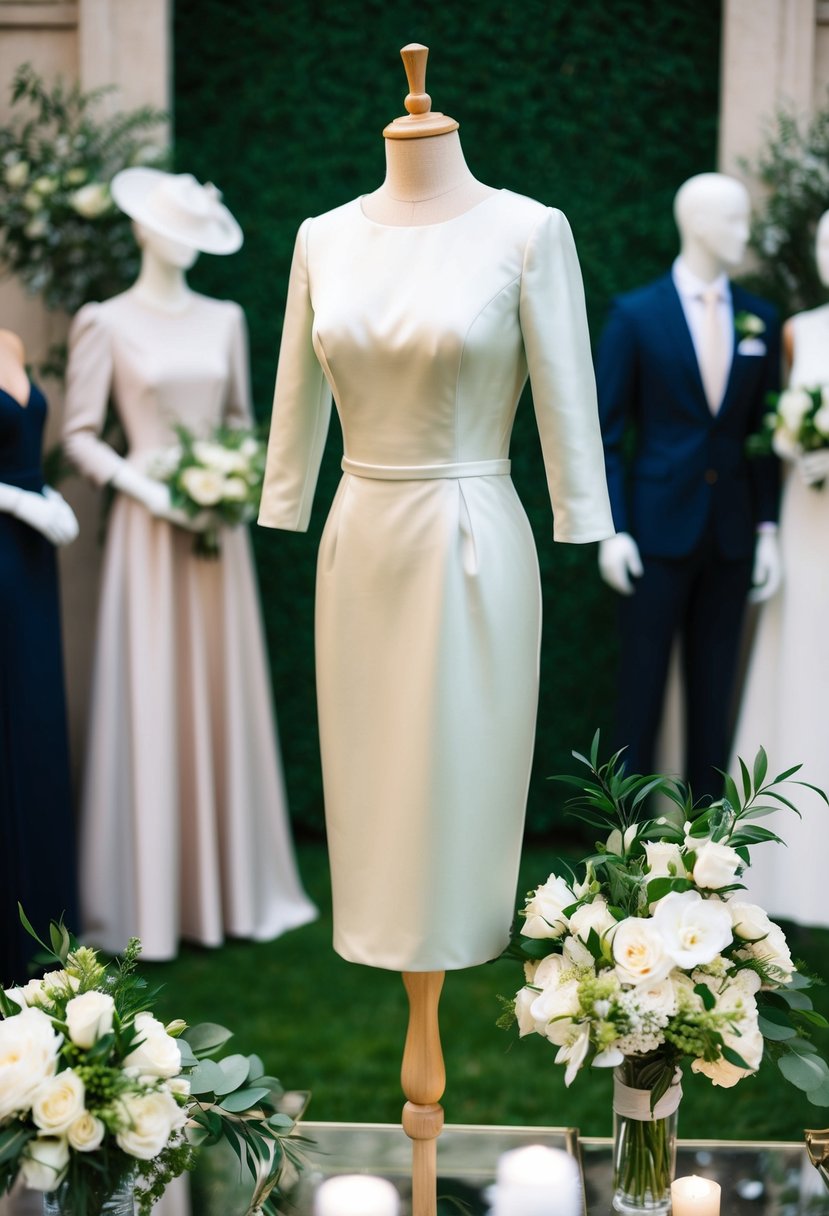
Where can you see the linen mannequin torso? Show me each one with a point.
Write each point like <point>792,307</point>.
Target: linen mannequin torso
<point>428,605</point>
<point>184,826</point>
<point>787,684</point>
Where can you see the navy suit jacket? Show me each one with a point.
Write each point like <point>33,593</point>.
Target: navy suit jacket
<point>688,468</point>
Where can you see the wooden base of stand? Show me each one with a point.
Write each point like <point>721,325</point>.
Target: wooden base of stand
<point>423,1078</point>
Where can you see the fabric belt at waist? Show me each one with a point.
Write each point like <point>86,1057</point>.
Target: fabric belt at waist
<point>426,472</point>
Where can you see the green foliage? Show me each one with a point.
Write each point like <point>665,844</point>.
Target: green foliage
<point>794,168</point>
<point>602,110</point>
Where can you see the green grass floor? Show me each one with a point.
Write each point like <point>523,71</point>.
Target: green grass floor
<point>337,1030</point>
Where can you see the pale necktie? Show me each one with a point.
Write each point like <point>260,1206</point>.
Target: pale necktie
<point>713,352</point>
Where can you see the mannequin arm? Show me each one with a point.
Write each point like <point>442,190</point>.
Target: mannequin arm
<point>768,569</point>
<point>238,411</point>
<point>48,513</point>
<point>620,562</point>
<point>88,381</point>
<point>155,496</point>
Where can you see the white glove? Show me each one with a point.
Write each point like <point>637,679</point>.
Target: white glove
<point>619,562</point>
<point>48,513</point>
<point>767,573</point>
<point>813,466</point>
<point>155,496</point>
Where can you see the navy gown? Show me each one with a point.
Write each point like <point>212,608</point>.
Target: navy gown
<point>37,848</point>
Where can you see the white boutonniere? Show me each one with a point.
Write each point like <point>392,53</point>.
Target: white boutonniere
<point>749,325</point>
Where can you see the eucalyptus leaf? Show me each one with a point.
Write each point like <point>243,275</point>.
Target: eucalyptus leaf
<point>805,1072</point>
<point>206,1077</point>
<point>777,1032</point>
<point>243,1099</point>
<point>235,1071</point>
<point>207,1036</point>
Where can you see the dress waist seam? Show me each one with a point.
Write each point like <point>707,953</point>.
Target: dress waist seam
<point>426,472</point>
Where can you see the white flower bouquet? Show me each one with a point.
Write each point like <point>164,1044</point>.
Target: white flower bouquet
<point>222,475</point>
<point>796,423</point>
<point>61,232</point>
<point>651,956</point>
<point>94,1090</point>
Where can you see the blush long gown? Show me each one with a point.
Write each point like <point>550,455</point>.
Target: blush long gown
<point>184,826</point>
<point>428,596</point>
<point>786,692</point>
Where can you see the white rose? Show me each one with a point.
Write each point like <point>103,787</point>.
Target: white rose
<point>523,1011</point>
<point>694,930</point>
<point>74,177</point>
<point>576,953</point>
<point>663,859</point>
<point>214,456</point>
<point>29,1048</point>
<point>87,1133</point>
<point>89,1017</point>
<point>16,995</point>
<point>180,1086</point>
<point>44,1163</point>
<point>37,227</point>
<point>553,1011</point>
<point>17,174</point>
<point>91,200</point>
<point>204,486</point>
<point>147,1123</point>
<point>821,421</point>
<point>249,447</point>
<point>543,912</point>
<point>45,185</point>
<point>60,983</point>
<point>595,915</point>
<point>792,407</point>
<point>572,1054</point>
<point>236,490</point>
<point>658,998</point>
<point>32,201</point>
<point>33,993</point>
<point>742,1034</point>
<point>639,952</point>
<point>765,940</point>
<point>158,1055</point>
<point>716,865</point>
<point>548,978</point>
<point>58,1102</point>
<point>784,444</point>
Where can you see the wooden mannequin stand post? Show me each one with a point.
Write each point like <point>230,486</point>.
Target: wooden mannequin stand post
<point>423,1078</point>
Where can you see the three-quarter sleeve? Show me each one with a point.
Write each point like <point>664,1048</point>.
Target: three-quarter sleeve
<point>301,409</point>
<point>238,410</point>
<point>88,380</point>
<point>557,344</point>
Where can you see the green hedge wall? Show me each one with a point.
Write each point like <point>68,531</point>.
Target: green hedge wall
<point>600,109</point>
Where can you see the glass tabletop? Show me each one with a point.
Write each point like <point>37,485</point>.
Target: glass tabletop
<point>757,1179</point>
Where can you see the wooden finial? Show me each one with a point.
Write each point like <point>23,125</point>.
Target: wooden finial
<point>420,120</point>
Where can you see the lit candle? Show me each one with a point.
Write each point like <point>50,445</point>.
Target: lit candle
<point>694,1196</point>
<point>356,1195</point>
<point>537,1181</point>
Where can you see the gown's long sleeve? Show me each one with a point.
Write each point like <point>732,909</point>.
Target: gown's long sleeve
<point>557,345</point>
<point>88,380</point>
<point>301,409</point>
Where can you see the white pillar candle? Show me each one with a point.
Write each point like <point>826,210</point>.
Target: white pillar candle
<point>356,1195</point>
<point>537,1181</point>
<point>695,1196</point>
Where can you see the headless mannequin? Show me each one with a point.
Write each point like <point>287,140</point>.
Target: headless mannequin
<point>812,466</point>
<point>48,512</point>
<point>712,215</point>
<point>161,284</point>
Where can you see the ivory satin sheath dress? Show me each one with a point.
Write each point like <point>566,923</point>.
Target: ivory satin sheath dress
<point>428,596</point>
<point>785,702</point>
<point>184,826</point>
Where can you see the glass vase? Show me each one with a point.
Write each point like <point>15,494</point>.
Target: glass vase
<point>119,1202</point>
<point>644,1148</point>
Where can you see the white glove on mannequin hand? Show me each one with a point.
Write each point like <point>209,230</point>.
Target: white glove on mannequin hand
<point>155,496</point>
<point>767,573</point>
<point>48,513</point>
<point>619,562</point>
<point>813,466</point>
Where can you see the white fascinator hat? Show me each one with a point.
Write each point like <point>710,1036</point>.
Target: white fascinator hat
<point>177,206</point>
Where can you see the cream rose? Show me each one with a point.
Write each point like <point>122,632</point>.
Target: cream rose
<point>204,486</point>
<point>716,865</point>
<point>157,1055</point>
<point>147,1123</point>
<point>693,930</point>
<point>639,952</point>
<point>554,1009</point>
<point>595,915</point>
<point>543,912</point>
<point>821,421</point>
<point>44,1163</point>
<point>663,859</point>
<point>58,1102</point>
<point>29,1048</point>
<point>792,407</point>
<point>89,1017</point>
<point>236,490</point>
<point>764,939</point>
<point>741,1034</point>
<point>523,1011</point>
<point>87,1133</point>
<point>17,175</point>
<point>90,200</point>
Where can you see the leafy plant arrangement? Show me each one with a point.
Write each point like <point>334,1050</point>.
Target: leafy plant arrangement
<point>650,957</point>
<point>61,232</point>
<point>797,422</point>
<point>794,169</point>
<point>94,1090</point>
<point>222,474</point>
